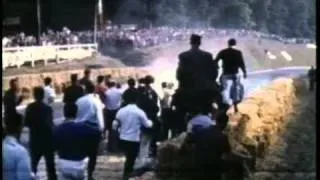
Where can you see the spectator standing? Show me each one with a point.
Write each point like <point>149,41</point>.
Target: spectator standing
<point>101,88</point>
<point>86,78</point>
<point>12,98</point>
<point>209,145</point>
<point>107,79</point>
<point>49,92</point>
<point>232,61</point>
<point>131,88</point>
<point>112,103</point>
<point>90,112</point>
<point>196,74</point>
<point>15,158</point>
<point>149,103</point>
<point>166,111</point>
<point>73,141</point>
<point>312,78</point>
<point>73,92</point>
<point>129,120</point>
<point>41,133</point>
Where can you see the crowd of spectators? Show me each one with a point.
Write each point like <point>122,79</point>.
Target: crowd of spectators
<point>131,37</point>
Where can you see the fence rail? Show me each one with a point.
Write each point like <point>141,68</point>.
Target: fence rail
<point>17,56</point>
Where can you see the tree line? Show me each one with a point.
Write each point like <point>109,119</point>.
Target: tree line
<point>288,18</point>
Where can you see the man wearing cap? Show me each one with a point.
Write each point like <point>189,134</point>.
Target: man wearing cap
<point>232,61</point>
<point>197,73</point>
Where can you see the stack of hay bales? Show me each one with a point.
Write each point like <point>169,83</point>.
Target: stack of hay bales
<point>262,116</point>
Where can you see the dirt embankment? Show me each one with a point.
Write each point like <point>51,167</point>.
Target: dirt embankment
<point>31,80</point>
<point>275,126</point>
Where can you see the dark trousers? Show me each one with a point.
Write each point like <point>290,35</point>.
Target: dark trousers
<point>131,150</point>
<point>166,117</point>
<point>155,136</point>
<point>93,153</point>
<point>113,137</point>
<point>92,147</point>
<point>38,150</point>
<point>179,124</point>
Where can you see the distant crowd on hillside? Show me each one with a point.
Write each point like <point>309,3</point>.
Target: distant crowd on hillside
<point>124,38</point>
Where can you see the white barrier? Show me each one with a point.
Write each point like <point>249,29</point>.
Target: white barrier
<point>17,56</point>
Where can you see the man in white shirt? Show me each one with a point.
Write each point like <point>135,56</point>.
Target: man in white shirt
<point>112,102</point>
<point>90,112</point>
<point>130,119</point>
<point>16,163</point>
<point>90,108</point>
<point>49,93</point>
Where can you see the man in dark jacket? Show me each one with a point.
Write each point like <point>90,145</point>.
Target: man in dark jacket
<point>73,92</point>
<point>11,98</point>
<point>196,68</point>
<point>197,73</point>
<point>131,88</point>
<point>149,104</point>
<point>86,78</point>
<point>232,61</point>
<point>39,119</point>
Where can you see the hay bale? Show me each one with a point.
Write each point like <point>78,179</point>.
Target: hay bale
<point>263,115</point>
<point>168,156</point>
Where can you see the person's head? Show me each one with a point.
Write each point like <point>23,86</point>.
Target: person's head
<point>47,81</point>
<point>141,81</point>
<point>111,84</point>
<point>131,83</point>
<point>13,124</point>
<point>38,93</point>
<point>89,88</point>
<point>107,79</point>
<point>70,111</point>
<point>170,86</point>
<point>74,78</point>
<point>232,42</point>
<point>87,73</point>
<point>148,80</point>
<point>195,40</point>
<point>164,85</point>
<point>14,84</point>
<point>100,79</point>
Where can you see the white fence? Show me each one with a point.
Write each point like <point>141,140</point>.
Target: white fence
<point>17,56</point>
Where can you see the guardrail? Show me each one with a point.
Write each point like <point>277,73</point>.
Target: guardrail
<point>17,56</point>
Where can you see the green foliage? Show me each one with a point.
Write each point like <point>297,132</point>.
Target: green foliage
<point>291,18</point>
